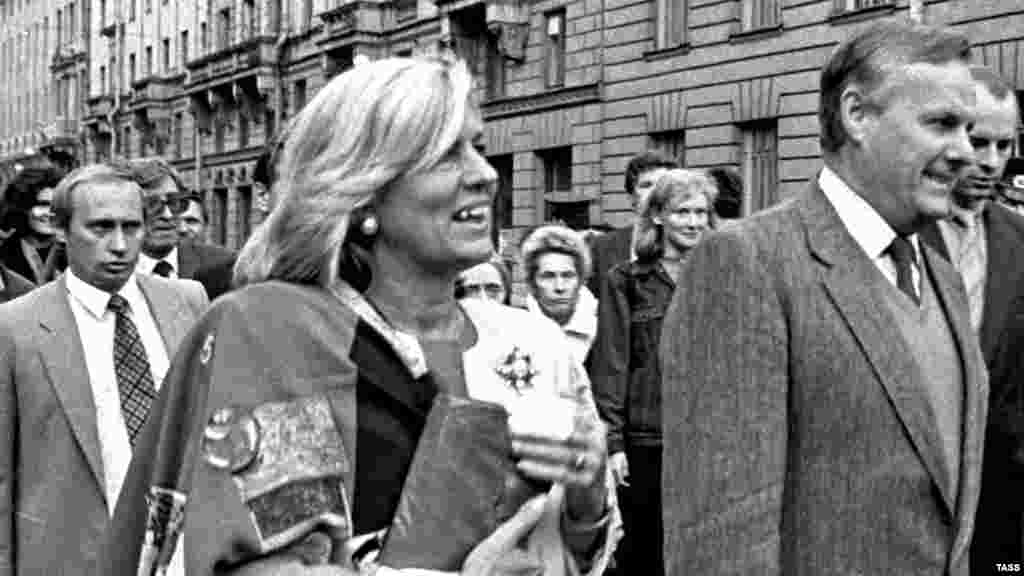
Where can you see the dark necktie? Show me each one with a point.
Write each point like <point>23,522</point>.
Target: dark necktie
<point>131,365</point>
<point>163,268</point>
<point>903,256</point>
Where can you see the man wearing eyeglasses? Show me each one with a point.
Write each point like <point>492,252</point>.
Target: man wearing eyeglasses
<point>163,251</point>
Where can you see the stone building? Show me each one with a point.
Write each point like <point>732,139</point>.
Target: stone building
<point>570,89</point>
<point>43,48</point>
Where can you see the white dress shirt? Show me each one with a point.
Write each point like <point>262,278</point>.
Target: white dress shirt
<point>96,332</point>
<point>871,232</point>
<point>146,264</point>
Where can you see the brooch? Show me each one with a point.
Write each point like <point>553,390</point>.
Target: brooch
<point>517,370</point>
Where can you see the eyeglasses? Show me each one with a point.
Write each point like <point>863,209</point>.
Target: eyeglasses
<point>178,203</point>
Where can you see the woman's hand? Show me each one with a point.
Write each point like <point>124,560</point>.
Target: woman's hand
<point>579,463</point>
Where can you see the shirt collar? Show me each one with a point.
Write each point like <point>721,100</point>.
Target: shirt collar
<point>146,264</point>
<point>871,232</point>
<point>95,300</point>
<point>584,317</point>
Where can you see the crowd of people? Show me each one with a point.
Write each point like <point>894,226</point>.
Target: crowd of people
<point>829,386</point>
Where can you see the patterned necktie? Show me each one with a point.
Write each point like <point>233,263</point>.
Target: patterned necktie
<point>163,268</point>
<point>971,264</point>
<point>131,365</point>
<point>903,256</point>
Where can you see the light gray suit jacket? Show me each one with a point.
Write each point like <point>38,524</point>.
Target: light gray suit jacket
<point>798,440</point>
<point>53,510</point>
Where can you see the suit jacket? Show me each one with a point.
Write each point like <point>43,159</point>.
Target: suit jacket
<point>797,440</point>
<point>209,264</point>
<point>14,284</point>
<point>53,510</point>
<point>1000,520</point>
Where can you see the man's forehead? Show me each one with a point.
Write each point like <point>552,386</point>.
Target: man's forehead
<point>998,113</point>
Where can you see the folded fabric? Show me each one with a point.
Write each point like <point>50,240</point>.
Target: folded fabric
<point>462,484</point>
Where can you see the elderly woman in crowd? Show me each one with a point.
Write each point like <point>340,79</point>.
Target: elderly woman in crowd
<point>626,368</point>
<point>556,260</point>
<point>291,416</point>
<point>31,250</point>
<point>489,280</point>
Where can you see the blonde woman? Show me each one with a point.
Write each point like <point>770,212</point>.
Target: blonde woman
<point>625,366</point>
<point>346,308</point>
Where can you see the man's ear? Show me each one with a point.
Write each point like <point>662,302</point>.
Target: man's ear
<point>60,234</point>
<point>856,111</point>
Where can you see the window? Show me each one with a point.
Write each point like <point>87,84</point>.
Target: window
<point>72,36</point>
<point>178,142</point>
<point>243,130</point>
<point>111,67</point>
<point>131,10</point>
<point>204,38</point>
<point>131,68</point>
<point>307,14</point>
<point>300,96</point>
<point>248,18</point>
<point>760,14</point>
<point>554,49</point>
<point>575,214</point>
<point>224,29</point>
<point>852,5</point>
<point>495,69</point>
<point>149,6</point>
<point>103,77</point>
<point>405,10</point>
<point>149,61</point>
<point>760,164</point>
<point>167,55</point>
<point>243,214</point>
<point>218,135</point>
<point>126,142</point>
<point>268,122</point>
<point>671,143</point>
<point>60,27</point>
<point>503,200</point>
<point>183,49</point>
<point>557,164</point>
<point>670,23</point>
<point>220,212</point>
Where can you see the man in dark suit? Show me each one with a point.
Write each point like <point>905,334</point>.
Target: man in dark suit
<point>825,395</point>
<point>616,246</point>
<point>80,360</point>
<point>985,242</point>
<point>163,252</point>
<point>13,284</point>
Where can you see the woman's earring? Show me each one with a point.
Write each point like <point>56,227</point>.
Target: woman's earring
<point>369,225</point>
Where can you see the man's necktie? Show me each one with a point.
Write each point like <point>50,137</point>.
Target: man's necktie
<point>163,268</point>
<point>971,264</point>
<point>131,365</point>
<point>903,256</point>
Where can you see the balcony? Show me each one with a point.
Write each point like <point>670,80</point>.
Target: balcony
<point>251,57</point>
<point>355,22</point>
<point>67,55</point>
<point>506,21</point>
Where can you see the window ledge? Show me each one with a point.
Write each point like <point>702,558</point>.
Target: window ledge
<point>663,53</point>
<point>755,34</point>
<point>845,16</point>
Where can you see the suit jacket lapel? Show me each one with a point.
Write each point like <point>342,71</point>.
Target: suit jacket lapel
<point>945,279</point>
<point>64,358</point>
<point>169,312</point>
<point>853,283</point>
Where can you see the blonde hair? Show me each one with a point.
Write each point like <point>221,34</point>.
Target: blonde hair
<point>554,238</point>
<point>650,237</point>
<point>366,128</point>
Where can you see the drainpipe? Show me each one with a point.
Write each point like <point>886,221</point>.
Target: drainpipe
<point>282,38</point>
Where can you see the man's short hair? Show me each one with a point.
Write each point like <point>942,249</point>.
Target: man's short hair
<point>643,162</point>
<point>149,172</point>
<point>63,194</point>
<point>866,58</point>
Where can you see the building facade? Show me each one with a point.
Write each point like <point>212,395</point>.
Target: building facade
<point>42,78</point>
<point>570,89</point>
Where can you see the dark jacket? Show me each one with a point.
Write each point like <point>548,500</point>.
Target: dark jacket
<point>999,528</point>
<point>12,256</point>
<point>14,285</point>
<point>608,250</point>
<point>625,365</point>
<point>209,264</point>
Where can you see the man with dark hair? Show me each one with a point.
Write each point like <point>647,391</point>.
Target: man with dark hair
<point>984,241</point>
<point>81,360</point>
<point>610,248</point>
<point>827,394</point>
<point>163,252</point>
<point>1011,189</point>
<point>192,222</point>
